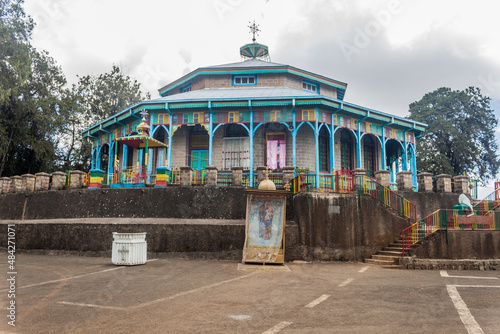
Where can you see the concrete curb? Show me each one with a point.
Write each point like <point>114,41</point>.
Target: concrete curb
<point>445,264</point>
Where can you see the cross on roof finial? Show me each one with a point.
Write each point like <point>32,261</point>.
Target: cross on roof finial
<point>254,29</point>
<point>143,113</point>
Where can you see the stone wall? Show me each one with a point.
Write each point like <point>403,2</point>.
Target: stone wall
<point>344,226</point>
<point>460,245</point>
<point>428,202</point>
<point>219,239</point>
<point>169,202</point>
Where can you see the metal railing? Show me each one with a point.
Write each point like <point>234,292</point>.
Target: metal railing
<point>174,177</point>
<point>224,179</point>
<point>490,202</point>
<point>449,220</point>
<point>133,175</point>
<point>199,177</point>
<point>368,186</point>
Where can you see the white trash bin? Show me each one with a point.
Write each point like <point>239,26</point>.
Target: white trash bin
<point>129,249</point>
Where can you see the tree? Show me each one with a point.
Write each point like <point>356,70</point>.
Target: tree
<point>91,100</point>
<point>30,87</point>
<point>460,138</point>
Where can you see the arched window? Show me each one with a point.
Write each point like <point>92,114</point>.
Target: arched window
<point>369,155</point>
<point>346,161</point>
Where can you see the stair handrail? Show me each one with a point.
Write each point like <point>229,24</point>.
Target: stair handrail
<point>369,186</point>
<point>445,219</point>
<point>483,204</point>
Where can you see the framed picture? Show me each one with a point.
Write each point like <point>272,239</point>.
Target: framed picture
<point>265,228</point>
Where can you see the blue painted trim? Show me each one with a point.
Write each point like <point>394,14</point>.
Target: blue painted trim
<point>255,129</point>
<point>254,76</point>
<point>211,133</point>
<point>124,156</point>
<point>294,135</point>
<point>246,128</point>
<point>218,126</point>
<point>326,98</point>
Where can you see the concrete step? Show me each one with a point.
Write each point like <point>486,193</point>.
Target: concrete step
<point>393,266</point>
<point>386,258</point>
<point>379,262</point>
<point>391,252</point>
<point>395,245</point>
<point>393,249</point>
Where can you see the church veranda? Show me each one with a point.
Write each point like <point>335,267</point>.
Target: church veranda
<point>84,294</point>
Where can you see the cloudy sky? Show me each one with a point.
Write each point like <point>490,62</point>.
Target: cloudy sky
<point>390,53</point>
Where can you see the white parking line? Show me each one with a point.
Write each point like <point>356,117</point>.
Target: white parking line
<point>317,301</point>
<point>278,327</point>
<point>347,281</point>
<point>64,279</point>
<point>362,270</point>
<point>180,294</point>
<point>444,273</point>
<point>463,311</point>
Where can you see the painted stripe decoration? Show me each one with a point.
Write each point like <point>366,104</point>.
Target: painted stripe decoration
<point>347,281</point>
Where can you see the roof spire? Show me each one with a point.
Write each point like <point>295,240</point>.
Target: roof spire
<point>254,29</point>
<point>254,50</point>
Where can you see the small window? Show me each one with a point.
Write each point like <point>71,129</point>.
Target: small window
<point>160,119</point>
<point>185,118</point>
<point>233,117</point>
<point>310,86</point>
<point>185,89</point>
<point>244,80</point>
<point>305,115</point>
<point>175,119</point>
<point>207,117</point>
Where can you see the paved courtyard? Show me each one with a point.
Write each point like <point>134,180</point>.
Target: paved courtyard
<point>67,294</point>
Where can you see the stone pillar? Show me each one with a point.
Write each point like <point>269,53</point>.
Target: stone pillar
<point>261,174</point>
<point>77,179</point>
<point>358,174</point>
<point>6,185</point>
<point>424,182</point>
<point>288,174</point>
<point>96,179</point>
<point>16,184</point>
<point>383,178</point>
<point>28,182</point>
<point>443,183</point>
<point>186,176</point>
<point>461,183</point>
<point>211,176</point>
<point>58,180</point>
<point>1,185</point>
<point>161,176</point>
<point>404,180</point>
<point>42,181</point>
<point>237,177</point>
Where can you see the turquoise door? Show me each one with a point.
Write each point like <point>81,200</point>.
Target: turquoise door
<point>199,159</point>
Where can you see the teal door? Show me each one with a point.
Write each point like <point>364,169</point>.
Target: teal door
<point>199,159</point>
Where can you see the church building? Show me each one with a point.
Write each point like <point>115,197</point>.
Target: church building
<point>250,114</point>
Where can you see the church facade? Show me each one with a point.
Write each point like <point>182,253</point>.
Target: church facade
<point>254,113</point>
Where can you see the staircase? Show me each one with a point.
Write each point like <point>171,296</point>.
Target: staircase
<point>389,256</point>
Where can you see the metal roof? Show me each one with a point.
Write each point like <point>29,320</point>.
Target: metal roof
<point>237,93</point>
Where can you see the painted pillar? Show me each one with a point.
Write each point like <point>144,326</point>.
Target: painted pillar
<point>294,135</point>
<point>413,166</point>
<point>98,158</point>
<point>170,137</point>
<point>382,148</point>
<point>332,144</point>
<point>124,156</point>
<point>316,147</point>
<point>92,163</point>
<point>250,133</point>
<point>358,146</point>
<point>210,135</point>
<point>150,160</point>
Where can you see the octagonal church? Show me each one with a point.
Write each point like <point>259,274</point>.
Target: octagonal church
<point>250,114</point>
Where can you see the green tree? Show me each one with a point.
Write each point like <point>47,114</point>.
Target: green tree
<point>30,88</point>
<point>460,138</point>
<point>91,100</point>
